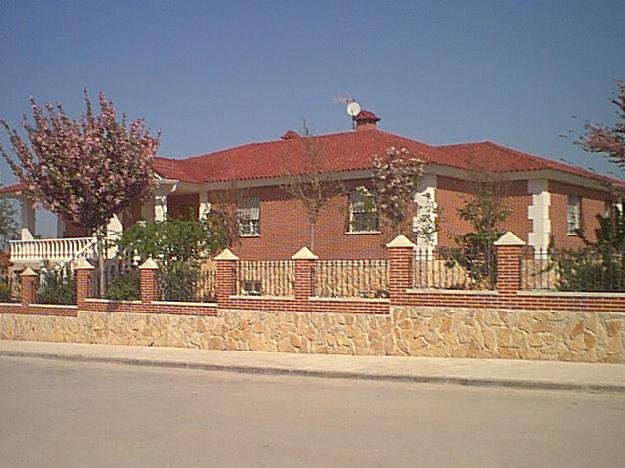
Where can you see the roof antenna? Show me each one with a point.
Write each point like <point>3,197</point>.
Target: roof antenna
<point>353,108</point>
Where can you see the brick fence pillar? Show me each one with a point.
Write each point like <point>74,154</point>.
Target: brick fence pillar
<point>304,274</point>
<point>509,253</point>
<point>400,255</point>
<point>148,281</point>
<point>226,275</point>
<point>28,287</point>
<point>84,281</point>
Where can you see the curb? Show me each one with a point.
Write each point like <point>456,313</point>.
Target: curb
<point>464,381</point>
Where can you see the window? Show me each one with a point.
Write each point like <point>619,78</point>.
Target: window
<point>363,214</point>
<point>574,214</point>
<point>248,216</point>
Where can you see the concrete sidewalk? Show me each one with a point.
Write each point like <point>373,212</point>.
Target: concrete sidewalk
<point>478,372</point>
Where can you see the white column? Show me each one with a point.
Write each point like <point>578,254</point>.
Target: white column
<point>114,227</point>
<point>160,207</point>
<point>538,213</point>
<point>205,205</point>
<point>425,219</point>
<point>29,220</point>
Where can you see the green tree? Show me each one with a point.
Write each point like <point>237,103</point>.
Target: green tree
<point>176,241</point>
<point>179,247</point>
<point>475,252</point>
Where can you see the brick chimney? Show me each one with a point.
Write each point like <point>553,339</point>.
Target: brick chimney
<point>366,120</point>
<point>290,135</point>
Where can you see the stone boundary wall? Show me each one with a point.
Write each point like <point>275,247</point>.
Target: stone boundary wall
<point>405,331</point>
<point>505,323</point>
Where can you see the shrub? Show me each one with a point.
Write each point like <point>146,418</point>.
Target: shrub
<point>5,293</point>
<point>179,283</point>
<point>600,266</point>
<point>175,241</point>
<point>475,252</point>
<point>124,287</point>
<point>57,287</point>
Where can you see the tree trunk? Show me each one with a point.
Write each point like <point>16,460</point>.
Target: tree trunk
<point>312,237</point>
<point>101,247</point>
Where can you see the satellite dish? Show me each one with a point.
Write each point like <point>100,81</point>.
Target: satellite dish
<point>353,108</point>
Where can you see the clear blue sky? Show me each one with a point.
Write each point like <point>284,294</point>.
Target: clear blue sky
<point>214,74</point>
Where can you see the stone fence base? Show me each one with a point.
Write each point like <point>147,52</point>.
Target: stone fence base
<point>406,331</point>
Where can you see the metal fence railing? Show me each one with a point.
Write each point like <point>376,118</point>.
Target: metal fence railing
<point>56,286</point>
<point>352,278</point>
<point>265,278</point>
<point>9,288</point>
<point>454,268</point>
<point>188,284</point>
<point>589,269</point>
<point>120,277</point>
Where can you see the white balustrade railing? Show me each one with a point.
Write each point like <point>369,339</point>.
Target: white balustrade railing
<point>61,250</point>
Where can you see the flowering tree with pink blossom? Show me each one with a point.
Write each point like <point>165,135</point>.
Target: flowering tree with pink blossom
<point>395,182</point>
<point>608,140</point>
<point>86,170</point>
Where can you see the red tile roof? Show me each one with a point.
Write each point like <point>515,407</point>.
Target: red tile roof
<point>486,156</point>
<point>351,151</point>
<point>346,152</point>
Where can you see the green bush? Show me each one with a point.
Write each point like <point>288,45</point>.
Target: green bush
<point>57,287</point>
<point>179,283</point>
<point>124,287</point>
<point>5,293</point>
<point>475,252</point>
<point>588,270</point>
<point>600,266</point>
<point>174,241</point>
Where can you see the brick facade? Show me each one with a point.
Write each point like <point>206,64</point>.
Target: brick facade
<point>284,227</point>
<point>593,203</point>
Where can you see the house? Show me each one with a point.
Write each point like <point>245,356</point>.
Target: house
<point>550,201</point>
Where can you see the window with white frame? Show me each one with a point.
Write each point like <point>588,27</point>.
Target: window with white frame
<point>574,214</point>
<point>363,214</point>
<point>248,216</point>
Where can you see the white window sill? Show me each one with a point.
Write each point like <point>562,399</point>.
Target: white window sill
<point>249,235</point>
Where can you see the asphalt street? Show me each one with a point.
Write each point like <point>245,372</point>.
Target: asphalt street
<point>66,414</point>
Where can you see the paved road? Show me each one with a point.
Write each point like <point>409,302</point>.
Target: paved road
<point>83,414</point>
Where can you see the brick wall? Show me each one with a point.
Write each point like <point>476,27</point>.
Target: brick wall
<point>183,206</point>
<point>284,228</point>
<point>452,194</point>
<point>593,204</point>
<point>506,322</point>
